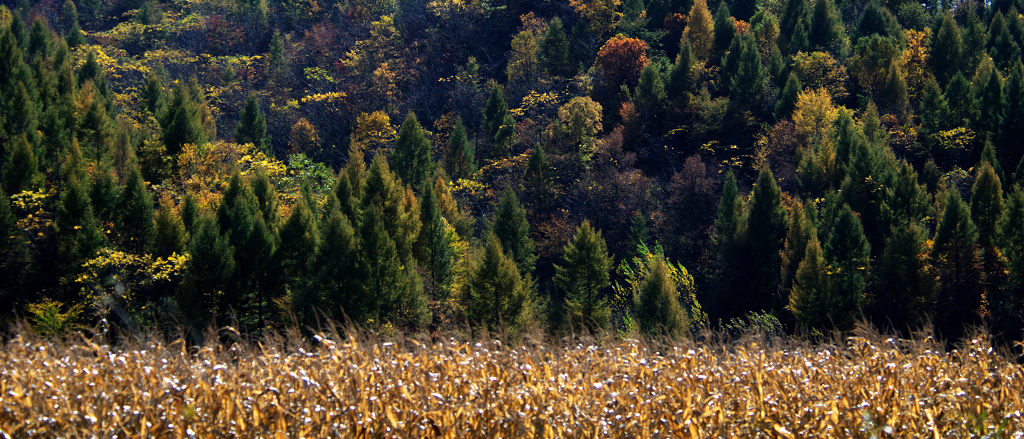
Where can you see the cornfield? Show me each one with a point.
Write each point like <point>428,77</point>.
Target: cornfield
<point>354,386</point>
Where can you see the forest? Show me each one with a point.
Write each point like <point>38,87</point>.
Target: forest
<point>609,166</point>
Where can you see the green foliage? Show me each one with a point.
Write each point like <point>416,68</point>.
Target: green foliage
<point>584,277</point>
<point>252,126</point>
<point>496,296</point>
<point>681,79</point>
<point>657,306</point>
<point>957,259</point>
<point>391,290</point>
<point>809,298</point>
<point>182,122</point>
<point>554,49</point>
<point>724,29</point>
<point>169,234</point>
<point>987,207</point>
<point>947,47</point>
<point>787,99</point>
<point>847,253</point>
<point>512,229</point>
<point>135,208</point>
<point>461,159</point>
<point>21,172</point>
<point>826,28</point>
<point>411,157</point>
<point>650,92</point>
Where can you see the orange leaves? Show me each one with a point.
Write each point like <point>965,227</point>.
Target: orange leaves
<point>621,60</point>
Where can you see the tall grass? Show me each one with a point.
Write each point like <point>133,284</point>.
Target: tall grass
<point>360,386</point>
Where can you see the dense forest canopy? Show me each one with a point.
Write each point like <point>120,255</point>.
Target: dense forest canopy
<point>668,166</point>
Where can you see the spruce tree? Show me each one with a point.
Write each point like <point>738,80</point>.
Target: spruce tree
<point>189,211</point>
<point>825,27</point>
<point>182,123</point>
<point>903,295</point>
<point>537,180</point>
<point>391,286</point>
<point>934,110</point>
<point>210,270</point>
<point>495,294</point>
<point>135,208</point>
<point>252,126</point>
<point>554,49</point>
<point>748,85</point>
<point>794,12</point>
<point>847,253</point>
<point>78,231</point>
<point>657,308</point>
<point>169,231</point>
<point>337,264</point>
<point>762,245</point>
<point>946,50</point>
<point>787,99</point>
<point>583,276</point>
<point>809,297</point>
<point>958,261</point>
<point>411,157</point>
<point>1011,129</point>
<point>799,233</point>
<point>296,255</point>
<point>398,207</point>
<point>15,256</point>
<point>800,41</point>
<point>461,160</point>
<point>894,91</point>
<point>265,194</point>
<point>513,231</point>
<point>961,101</point>
<point>724,29</point>
<point>1001,44</point>
<point>877,19</point>
<point>987,204</point>
<point>650,92</point>
<point>21,172</point>
<point>105,194</point>
<point>241,221</point>
<point>907,201</point>
<point>494,112</point>
<point>700,29</point>
<point>680,80</point>
<point>990,104</point>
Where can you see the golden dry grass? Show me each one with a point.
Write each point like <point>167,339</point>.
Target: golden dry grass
<point>361,388</point>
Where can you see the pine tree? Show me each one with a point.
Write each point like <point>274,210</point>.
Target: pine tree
<point>961,101</point>
<point>680,80</point>
<point>337,264</point>
<point>990,104</point>
<point>725,31</point>
<point>958,261</point>
<point>240,220</point>
<point>495,294</point>
<point>252,126</point>
<point>800,41</point>
<point>762,245</point>
<point>169,231</point>
<point>727,221</point>
<point>794,12</point>
<point>583,276</point>
<point>987,208</point>
<point>904,281</point>
<point>391,288</point>
<point>877,19</point>
<point>15,256</point>
<point>907,201</point>
<point>650,92</point>
<point>189,211</point>
<point>825,27</point>
<point>947,47</point>
<point>182,123</point>
<point>411,156</point>
<point>700,29</point>
<point>537,180</point>
<point>135,208</point>
<point>748,85</point>
<point>210,269</point>
<point>934,110</point>
<point>461,160</point>
<point>295,258</point>
<point>809,297</point>
<point>787,99</point>
<point>657,308</point>
<point>22,170</point>
<point>265,194</point>
<point>494,112</point>
<point>78,231</point>
<point>894,91</point>
<point>554,49</point>
<point>1002,45</point>
<point>1012,122</point>
<point>513,231</point>
<point>398,206</point>
<point>799,233</point>
<point>154,96</point>
<point>847,253</point>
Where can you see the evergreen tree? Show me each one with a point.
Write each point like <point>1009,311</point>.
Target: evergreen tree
<point>799,233</point>
<point>961,101</point>
<point>787,99</point>
<point>725,238</point>
<point>104,194</point>
<point>794,12</point>
<point>513,231</point>
<point>583,276</point>
<point>877,19</point>
<point>809,297</point>
<point>934,110</point>
<point>494,112</point>
<point>135,208</point>
<point>154,96</point>
<point>554,49</point>
<point>398,207</point>
<point>495,294</point>
<point>537,180</point>
<point>825,27</point>
<point>412,153</point>
<point>763,236</point>
<point>337,264</point>
<point>958,261</point>
<point>240,220</point>
<point>182,123</point>
<point>987,204</point>
<point>744,9</point>
<point>650,92</point>
<point>990,104</point>
<point>801,40</point>
<point>904,281</point>
<point>210,269</point>
<point>847,254</point>
<point>266,196</point>
<point>1001,44</point>
<point>189,211</point>
<point>894,92</point>
<point>170,231</point>
<point>78,231</point>
<point>700,29</point>
<point>725,31</point>
<point>22,170</point>
<point>1011,128</point>
<point>748,85</point>
<point>461,161</point>
<point>295,258</point>
<point>657,308</point>
<point>392,290</point>
<point>252,126</point>
<point>15,257</point>
<point>907,201</point>
<point>681,80</point>
<point>946,50</point>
